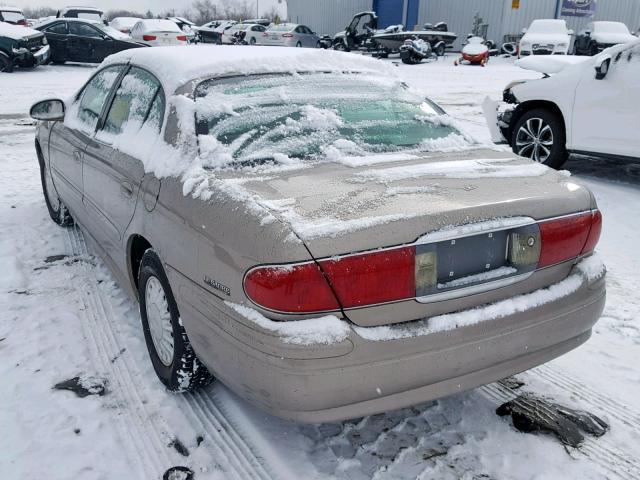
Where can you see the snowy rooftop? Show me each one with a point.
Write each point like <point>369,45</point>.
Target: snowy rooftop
<point>175,66</point>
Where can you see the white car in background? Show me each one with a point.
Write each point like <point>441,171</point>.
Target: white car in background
<point>158,33</point>
<point>584,105</point>
<point>247,33</point>
<point>545,37</point>
<point>124,24</point>
<point>290,35</point>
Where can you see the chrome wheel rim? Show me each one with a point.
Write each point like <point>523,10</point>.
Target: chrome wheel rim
<point>159,320</point>
<point>535,140</point>
<point>54,201</point>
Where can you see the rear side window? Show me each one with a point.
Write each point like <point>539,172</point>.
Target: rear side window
<point>60,27</point>
<point>139,100</point>
<point>94,95</point>
<point>83,30</point>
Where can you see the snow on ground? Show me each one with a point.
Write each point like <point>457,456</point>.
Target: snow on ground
<point>62,316</point>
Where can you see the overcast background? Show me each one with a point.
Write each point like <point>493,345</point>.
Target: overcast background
<point>155,6</point>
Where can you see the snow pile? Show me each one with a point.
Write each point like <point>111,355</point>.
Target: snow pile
<point>324,330</point>
<point>457,231</point>
<point>479,277</point>
<point>588,269</point>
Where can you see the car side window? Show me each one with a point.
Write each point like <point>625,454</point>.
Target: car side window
<point>139,99</point>
<point>94,95</point>
<point>60,28</point>
<point>83,30</point>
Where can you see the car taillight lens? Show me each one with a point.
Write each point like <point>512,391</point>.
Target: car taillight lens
<point>566,238</point>
<point>182,38</point>
<point>357,280</point>
<point>287,35</point>
<point>22,22</point>
<point>148,37</point>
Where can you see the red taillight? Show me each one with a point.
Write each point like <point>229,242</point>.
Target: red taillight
<point>357,280</point>
<point>568,237</point>
<point>148,38</point>
<point>295,289</point>
<point>182,38</point>
<point>287,35</point>
<point>22,22</point>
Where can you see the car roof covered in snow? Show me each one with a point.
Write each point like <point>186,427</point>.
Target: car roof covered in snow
<point>178,65</point>
<point>16,32</point>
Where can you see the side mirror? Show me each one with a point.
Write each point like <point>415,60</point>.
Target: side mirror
<point>587,33</point>
<point>570,32</point>
<point>602,67</point>
<point>524,30</point>
<point>48,110</point>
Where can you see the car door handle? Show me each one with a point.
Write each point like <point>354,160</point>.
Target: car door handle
<point>127,189</point>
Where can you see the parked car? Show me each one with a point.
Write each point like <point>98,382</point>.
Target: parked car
<point>295,246</point>
<point>246,33</point>
<point>545,37</point>
<point>21,46</point>
<point>87,13</point>
<point>158,33</point>
<point>79,40</point>
<point>124,24</point>
<point>212,32</point>
<point>290,35</point>
<point>584,107</point>
<point>13,15</point>
<point>187,26</point>
<point>597,36</point>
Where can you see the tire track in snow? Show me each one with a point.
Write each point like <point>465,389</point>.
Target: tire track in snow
<point>612,407</point>
<point>618,463</point>
<point>203,410</point>
<point>151,459</point>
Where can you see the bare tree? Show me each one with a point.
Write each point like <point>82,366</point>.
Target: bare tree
<point>205,11</point>
<point>38,12</point>
<point>111,14</point>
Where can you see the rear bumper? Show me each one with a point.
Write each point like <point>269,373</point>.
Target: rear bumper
<point>358,376</point>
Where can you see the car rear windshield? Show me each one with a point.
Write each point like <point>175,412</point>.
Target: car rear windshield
<point>10,16</point>
<point>611,27</point>
<point>282,28</point>
<point>255,119</point>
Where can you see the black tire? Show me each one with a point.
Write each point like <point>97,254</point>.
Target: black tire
<point>593,49</point>
<point>58,62</point>
<point>252,41</point>
<point>298,45</point>
<point>440,50</point>
<point>545,126</point>
<point>318,44</point>
<point>184,372</point>
<point>340,46</point>
<point>6,65</point>
<point>57,211</point>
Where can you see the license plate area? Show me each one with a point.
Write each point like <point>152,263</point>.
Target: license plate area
<point>475,263</point>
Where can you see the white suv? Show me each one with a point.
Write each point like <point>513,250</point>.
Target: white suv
<point>589,105</point>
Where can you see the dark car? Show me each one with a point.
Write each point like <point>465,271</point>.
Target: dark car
<point>596,36</point>
<point>21,46</point>
<point>12,15</point>
<point>78,40</point>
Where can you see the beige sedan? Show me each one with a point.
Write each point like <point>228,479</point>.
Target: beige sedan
<point>305,228</point>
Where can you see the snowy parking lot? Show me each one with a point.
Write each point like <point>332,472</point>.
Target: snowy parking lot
<point>63,316</point>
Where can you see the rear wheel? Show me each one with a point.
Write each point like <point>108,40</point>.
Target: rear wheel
<point>57,211</point>
<point>440,50</point>
<point>539,135</point>
<point>252,41</point>
<point>6,65</point>
<point>172,356</point>
<point>299,45</point>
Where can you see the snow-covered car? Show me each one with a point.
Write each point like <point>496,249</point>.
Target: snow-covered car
<point>326,256</point>
<point>21,46</point>
<point>158,33</point>
<point>187,26</point>
<point>13,16</point>
<point>290,35</point>
<point>583,105</point>
<point>88,13</point>
<point>545,37</point>
<point>124,24</point>
<point>245,33</point>
<point>597,36</point>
